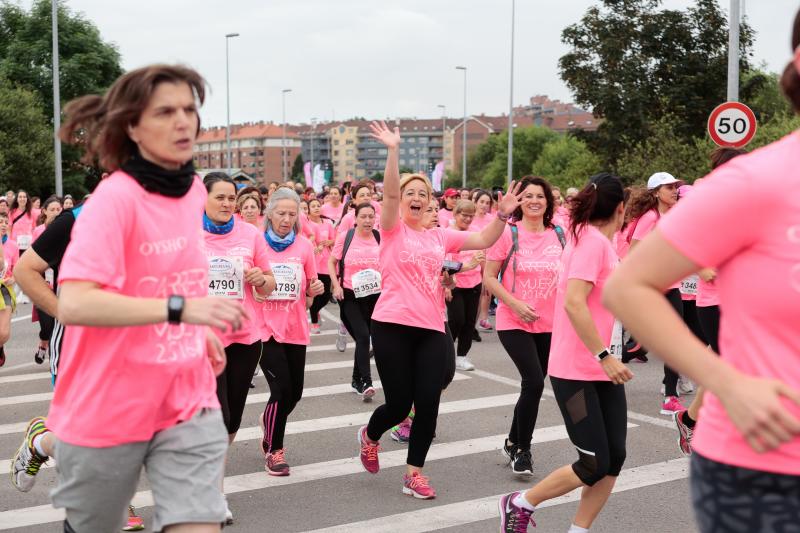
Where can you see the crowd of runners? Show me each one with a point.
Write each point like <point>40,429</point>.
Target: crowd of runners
<point>161,296</point>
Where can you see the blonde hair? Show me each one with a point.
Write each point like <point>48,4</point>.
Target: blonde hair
<point>244,197</point>
<point>464,205</point>
<point>405,179</point>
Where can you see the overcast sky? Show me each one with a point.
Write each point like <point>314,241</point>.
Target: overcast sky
<point>372,58</point>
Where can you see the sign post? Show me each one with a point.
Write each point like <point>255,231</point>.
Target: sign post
<point>732,125</point>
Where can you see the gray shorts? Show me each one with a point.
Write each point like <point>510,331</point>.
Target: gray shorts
<point>184,465</point>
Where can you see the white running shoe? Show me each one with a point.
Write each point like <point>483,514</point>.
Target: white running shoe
<point>463,363</point>
<point>685,385</point>
<point>228,514</point>
<point>341,338</point>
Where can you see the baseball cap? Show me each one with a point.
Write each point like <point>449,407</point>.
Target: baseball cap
<point>450,192</point>
<point>661,178</point>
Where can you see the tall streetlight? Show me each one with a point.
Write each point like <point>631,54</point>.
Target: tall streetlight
<point>511,103</point>
<point>313,133</point>
<point>464,134</point>
<point>444,124</point>
<point>56,103</point>
<point>228,37</point>
<point>733,51</point>
<point>283,142</point>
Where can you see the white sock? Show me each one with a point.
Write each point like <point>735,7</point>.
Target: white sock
<point>520,501</point>
<point>577,529</point>
<point>37,445</point>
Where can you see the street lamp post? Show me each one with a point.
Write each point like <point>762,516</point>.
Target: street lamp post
<point>313,134</point>
<point>444,124</point>
<point>511,103</point>
<point>464,134</point>
<point>56,103</point>
<point>283,142</point>
<point>733,51</point>
<point>228,37</point>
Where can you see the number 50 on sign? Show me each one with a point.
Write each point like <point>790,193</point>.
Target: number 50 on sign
<point>732,125</point>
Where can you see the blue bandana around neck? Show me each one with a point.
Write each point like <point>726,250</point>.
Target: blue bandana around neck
<point>5,238</point>
<point>277,243</point>
<point>217,229</point>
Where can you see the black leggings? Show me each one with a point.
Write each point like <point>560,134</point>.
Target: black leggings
<point>356,315</point>
<point>411,364</point>
<point>670,376</point>
<point>449,358</point>
<point>321,299</point>
<point>709,321</point>
<point>596,416</point>
<point>462,311</point>
<point>730,499</point>
<point>692,320</point>
<point>530,353</point>
<point>234,382</point>
<point>283,365</point>
<point>46,323</point>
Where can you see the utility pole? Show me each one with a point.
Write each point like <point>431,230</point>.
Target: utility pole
<point>733,51</point>
<point>464,134</point>
<point>228,37</point>
<point>511,103</point>
<point>57,103</point>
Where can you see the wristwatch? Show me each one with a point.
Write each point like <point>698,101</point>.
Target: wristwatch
<point>175,305</point>
<point>602,355</point>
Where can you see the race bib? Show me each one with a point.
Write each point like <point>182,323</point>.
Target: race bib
<point>366,282</point>
<point>48,277</point>
<point>689,285</point>
<point>24,241</point>
<point>226,277</point>
<point>615,348</point>
<point>288,281</point>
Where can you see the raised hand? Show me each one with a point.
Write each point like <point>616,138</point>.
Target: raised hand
<point>381,132</point>
<point>507,203</point>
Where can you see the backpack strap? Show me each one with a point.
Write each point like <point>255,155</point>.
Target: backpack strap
<point>511,253</point>
<point>561,237</point>
<point>377,235</point>
<point>348,239</point>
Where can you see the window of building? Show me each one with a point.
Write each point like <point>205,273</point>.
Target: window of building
<point>336,142</point>
<point>412,151</point>
<point>336,152</point>
<point>348,152</point>
<point>382,151</point>
<point>402,151</point>
<point>423,140</point>
<point>411,140</point>
<point>402,161</point>
<point>349,141</point>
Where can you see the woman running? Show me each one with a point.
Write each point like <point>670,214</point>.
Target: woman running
<point>286,336</point>
<point>249,208</point>
<point>407,325</point>
<point>332,208</point>
<point>8,301</point>
<point>22,221</point>
<point>584,366</point>
<point>526,260</point>
<point>355,273</point>
<point>50,210</point>
<point>138,313</point>
<point>324,234</point>
<point>747,441</point>
<point>360,194</point>
<point>449,199</point>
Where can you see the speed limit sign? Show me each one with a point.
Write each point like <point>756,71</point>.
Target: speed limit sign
<point>732,125</point>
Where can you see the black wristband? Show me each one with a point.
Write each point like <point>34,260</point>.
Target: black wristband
<point>175,306</point>
<point>602,355</point>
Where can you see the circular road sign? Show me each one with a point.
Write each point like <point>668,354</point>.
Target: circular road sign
<point>732,125</point>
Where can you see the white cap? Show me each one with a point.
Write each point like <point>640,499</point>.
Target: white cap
<point>661,178</point>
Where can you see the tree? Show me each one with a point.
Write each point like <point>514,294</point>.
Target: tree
<point>26,142</point>
<point>567,162</point>
<point>633,63</point>
<point>761,90</point>
<point>297,167</point>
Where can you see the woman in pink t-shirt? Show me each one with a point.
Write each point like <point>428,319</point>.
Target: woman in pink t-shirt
<point>407,325</point>
<point>23,221</point>
<point>332,208</point>
<point>483,215</point>
<point>746,447</point>
<point>360,259</point>
<point>585,371</point>
<point>285,327</point>
<point>133,293</point>
<point>50,210</point>
<point>9,257</point>
<point>324,233</point>
<point>249,208</point>
<point>526,258</point>
<point>360,194</point>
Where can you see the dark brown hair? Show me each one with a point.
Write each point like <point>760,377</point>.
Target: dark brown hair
<point>641,201</point>
<point>47,202</point>
<point>722,155</point>
<point>790,81</point>
<point>548,195</point>
<point>28,204</point>
<point>596,202</point>
<point>99,123</point>
<point>364,205</point>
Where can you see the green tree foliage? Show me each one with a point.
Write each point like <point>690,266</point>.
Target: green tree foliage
<point>774,130</point>
<point>26,142</point>
<point>487,165</point>
<point>567,162</point>
<point>761,91</point>
<point>297,167</point>
<point>633,63</point>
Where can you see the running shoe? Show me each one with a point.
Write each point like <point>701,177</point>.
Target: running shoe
<point>514,519</point>
<point>40,355</point>
<point>275,464</point>
<point>315,328</point>
<point>369,452</point>
<point>27,461</point>
<point>356,386</point>
<point>463,363</point>
<point>368,391</point>
<point>476,337</point>
<point>341,338</point>
<point>509,450</point>
<point>522,465</point>
<point>2,355</point>
<point>402,432</point>
<point>228,514</point>
<point>485,325</point>
<point>135,522</point>
<point>417,485</point>
<point>685,386</point>
<point>684,434</point>
<point>671,405</point>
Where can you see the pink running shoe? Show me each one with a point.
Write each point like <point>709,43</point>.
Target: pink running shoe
<point>485,325</point>
<point>671,406</point>
<point>275,464</point>
<point>402,432</point>
<point>514,519</point>
<point>369,452</point>
<point>684,434</point>
<point>417,485</point>
<point>135,522</point>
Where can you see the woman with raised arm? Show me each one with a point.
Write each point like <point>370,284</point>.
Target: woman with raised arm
<point>407,325</point>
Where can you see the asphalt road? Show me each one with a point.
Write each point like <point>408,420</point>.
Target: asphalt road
<point>328,491</point>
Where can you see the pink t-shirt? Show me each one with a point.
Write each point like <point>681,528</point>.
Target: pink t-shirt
<point>470,278</point>
<point>244,241</point>
<point>646,224</point>
<point>143,245</point>
<point>592,259</point>
<point>286,319</point>
<point>480,222</point>
<point>22,229</point>
<point>11,254</point>
<point>707,294</point>
<point>349,222</point>
<point>445,218</point>
<point>332,212</point>
<point>537,258</point>
<point>411,264</point>
<point>322,231</point>
<point>362,254</point>
<point>735,222</point>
